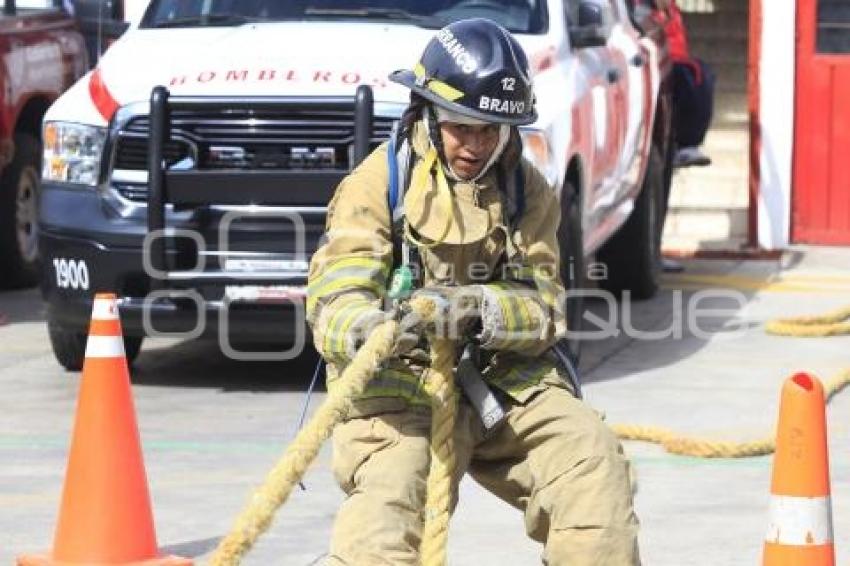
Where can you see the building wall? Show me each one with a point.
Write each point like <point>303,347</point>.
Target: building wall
<point>776,121</point>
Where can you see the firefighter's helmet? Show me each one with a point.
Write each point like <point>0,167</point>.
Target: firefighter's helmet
<point>475,67</point>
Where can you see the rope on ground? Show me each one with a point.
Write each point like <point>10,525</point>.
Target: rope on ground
<point>830,324</point>
<point>444,400</point>
<point>834,323</point>
<point>257,516</point>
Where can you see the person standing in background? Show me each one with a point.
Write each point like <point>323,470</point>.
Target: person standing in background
<point>693,88</point>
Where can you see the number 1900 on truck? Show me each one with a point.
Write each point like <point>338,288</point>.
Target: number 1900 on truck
<point>191,170</point>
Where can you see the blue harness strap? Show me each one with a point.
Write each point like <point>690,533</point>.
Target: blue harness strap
<point>392,167</point>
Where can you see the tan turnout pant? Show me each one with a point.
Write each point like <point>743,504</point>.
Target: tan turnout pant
<point>552,458</point>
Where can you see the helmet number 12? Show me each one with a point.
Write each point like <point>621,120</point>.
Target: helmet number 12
<point>508,83</point>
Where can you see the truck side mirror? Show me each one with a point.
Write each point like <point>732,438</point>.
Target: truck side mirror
<point>592,24</point>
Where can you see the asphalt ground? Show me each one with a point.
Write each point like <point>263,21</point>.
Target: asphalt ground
<point>211,427</point>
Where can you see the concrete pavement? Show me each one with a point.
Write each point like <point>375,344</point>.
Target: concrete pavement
<point>211,428</point>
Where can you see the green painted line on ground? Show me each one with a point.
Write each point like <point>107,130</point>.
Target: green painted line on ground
<point>275,446</point>
<point>692,461</point>
<point>236,446</point>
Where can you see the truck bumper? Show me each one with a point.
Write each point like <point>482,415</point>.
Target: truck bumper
<point>99,248</point>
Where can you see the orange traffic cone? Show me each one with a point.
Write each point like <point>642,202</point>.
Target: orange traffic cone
<point>800,530</point>
<point>105,516</point>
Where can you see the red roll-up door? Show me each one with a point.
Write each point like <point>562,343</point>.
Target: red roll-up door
<point>821,191</point>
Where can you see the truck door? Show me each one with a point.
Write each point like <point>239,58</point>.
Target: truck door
<point>634,94</point>
<point>606,77</point>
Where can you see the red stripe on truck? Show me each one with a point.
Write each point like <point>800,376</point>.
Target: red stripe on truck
<point>100,95</point>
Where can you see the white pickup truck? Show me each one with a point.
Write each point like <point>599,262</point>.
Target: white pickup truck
<point>258,121</point>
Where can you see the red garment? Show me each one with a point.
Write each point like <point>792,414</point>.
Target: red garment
<point>674,29</point>
<point>677,38</point>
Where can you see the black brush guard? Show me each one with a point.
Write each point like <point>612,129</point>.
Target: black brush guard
<point>197,188</point>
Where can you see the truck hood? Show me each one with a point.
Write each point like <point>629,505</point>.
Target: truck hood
<point>289,59</point>
<point>271,59</point>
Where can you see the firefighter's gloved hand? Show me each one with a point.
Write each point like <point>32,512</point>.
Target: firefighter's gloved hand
<point>362,327</point>
<point>410,329</point>
<point>407,337</point>
<point>457,309</point>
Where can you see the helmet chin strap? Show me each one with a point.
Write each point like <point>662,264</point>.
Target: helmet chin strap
<point>444,115</point>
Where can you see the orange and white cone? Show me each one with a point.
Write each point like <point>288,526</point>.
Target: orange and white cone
<point>800,528</point>
<point>105,516</point>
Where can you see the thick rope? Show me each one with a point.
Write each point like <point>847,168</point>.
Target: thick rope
<point>444,401</point>
<point>257,516</point>
<point>705,448</point>
<point>834,323</point>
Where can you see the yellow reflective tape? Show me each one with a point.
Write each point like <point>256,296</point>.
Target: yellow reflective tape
<point>520,324</point>
<point>519,378</point>
<point>332,337</point>
<point>401,375</point>
<point>438,87</point>
<point>346,325</point>
<point>351,264</point>
<point>519,311</point>
<point>372,392</point>
<point>351,283</point>
<point>357,261</point>
<point>509,314</point>
<point>332,328</point>
<point>548,291</point>
<point>393,383</point>
<point>527,321</point>
<point>444,90</point>
<point>523,273</point>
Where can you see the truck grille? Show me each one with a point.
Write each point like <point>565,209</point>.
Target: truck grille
<point>288,137</point>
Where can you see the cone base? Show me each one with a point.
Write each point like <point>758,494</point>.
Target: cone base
<point>48,560</point>
<point>790,555</point>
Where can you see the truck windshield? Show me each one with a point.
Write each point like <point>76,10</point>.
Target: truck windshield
<point>518,16</point>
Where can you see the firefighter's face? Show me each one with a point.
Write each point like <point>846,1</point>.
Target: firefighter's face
<point>467,147</point>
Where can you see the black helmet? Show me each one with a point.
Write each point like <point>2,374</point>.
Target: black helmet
<point>476,68</point>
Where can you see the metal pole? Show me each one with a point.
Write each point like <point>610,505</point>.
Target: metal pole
<point>363,112</point>
<point>158,135</point>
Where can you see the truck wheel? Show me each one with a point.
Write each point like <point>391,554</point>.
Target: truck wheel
<point>633,254</point>
<point>19,189</point>
<point>69,346</point>
<point>571,243</point>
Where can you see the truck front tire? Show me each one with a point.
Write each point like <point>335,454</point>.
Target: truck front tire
<point>69,346</point>
<point>19,190</point>
<point>633,255</point>
<point>571,243</point>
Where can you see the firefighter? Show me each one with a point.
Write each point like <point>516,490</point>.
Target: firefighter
<point>448,209</point>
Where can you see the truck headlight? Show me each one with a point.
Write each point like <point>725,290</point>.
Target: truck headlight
<point>536,149</point>
<point>72,152</point>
